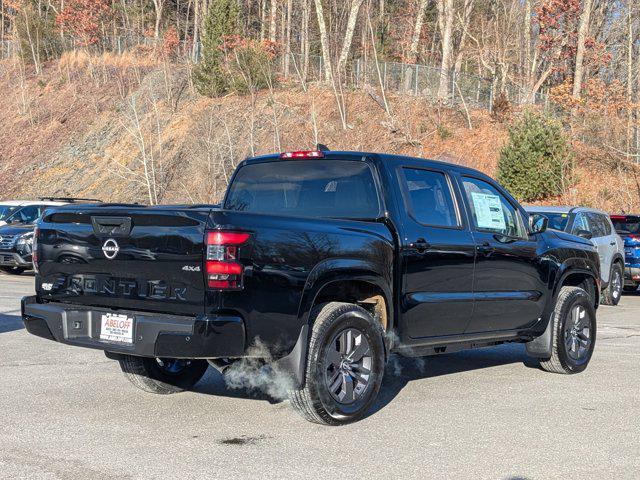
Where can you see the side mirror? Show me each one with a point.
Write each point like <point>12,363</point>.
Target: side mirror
<point>537,223</point>
<point>584,234</point>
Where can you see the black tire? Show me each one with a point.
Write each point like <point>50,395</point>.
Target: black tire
<point>13,270</point>
<point>162,376</point>
<point>611,295</point>
<point>574,335</point>
<point>630,288</point>
<point>334,326</point>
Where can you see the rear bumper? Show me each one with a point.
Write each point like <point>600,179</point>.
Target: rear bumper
<point>631,276</point>
<point>154,334</point>
<point>12,259</point>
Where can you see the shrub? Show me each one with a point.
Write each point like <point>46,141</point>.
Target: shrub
<point>536,162</point>
<point>221,20</point>
<point>249,64</point>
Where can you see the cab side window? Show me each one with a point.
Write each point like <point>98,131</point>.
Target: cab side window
<point>491,211</point>
<point>430,197</point>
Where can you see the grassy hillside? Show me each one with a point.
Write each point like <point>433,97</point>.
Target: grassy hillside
<point>128,128</point>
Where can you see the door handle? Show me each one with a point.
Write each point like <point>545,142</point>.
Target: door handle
<point>486,248</point>
<point>420,245</point>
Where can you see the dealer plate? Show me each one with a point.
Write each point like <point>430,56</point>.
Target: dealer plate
<point>116,328</point>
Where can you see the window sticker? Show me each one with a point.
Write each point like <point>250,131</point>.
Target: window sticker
<point>489,212</point>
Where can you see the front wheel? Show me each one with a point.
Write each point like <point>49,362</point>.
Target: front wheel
<point>162,375</point>
<point>611,295</point>
<point>574,332</point>
<point>345,365</point>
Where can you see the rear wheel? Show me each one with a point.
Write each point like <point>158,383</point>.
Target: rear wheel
<point>13,270</point>
<point>611,295</point>
<point>345,365</point>
<point>162,375</point>
<point>574,332</point>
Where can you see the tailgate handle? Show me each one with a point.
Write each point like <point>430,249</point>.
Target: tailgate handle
<point>111,225</point>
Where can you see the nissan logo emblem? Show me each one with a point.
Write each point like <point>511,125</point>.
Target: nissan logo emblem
<point>110,249</point>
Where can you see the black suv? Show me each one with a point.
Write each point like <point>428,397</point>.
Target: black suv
<point>330,260</point>
<point>17,221</point>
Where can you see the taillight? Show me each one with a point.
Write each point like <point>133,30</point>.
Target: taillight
<point>223,270</point>
<point>34,249</point>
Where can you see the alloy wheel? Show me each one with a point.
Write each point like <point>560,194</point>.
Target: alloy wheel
<point>616,285</point>
<point>347,366</point>
<point>577,333</point>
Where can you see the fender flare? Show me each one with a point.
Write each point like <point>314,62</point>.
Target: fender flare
<point>542,346</point>
<point>324,274</point>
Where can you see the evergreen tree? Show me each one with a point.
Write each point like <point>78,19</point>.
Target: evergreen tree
<point>221,20</point>
<point>536,162</point>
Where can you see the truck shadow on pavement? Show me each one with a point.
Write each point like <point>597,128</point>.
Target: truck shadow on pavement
<point>399,372</point>
<point>9,323</point>
<point>402,370</point>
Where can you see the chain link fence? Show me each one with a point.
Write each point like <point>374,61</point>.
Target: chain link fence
<point>412,79</point>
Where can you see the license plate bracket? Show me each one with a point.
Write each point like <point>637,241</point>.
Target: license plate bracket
<point>117,328</point>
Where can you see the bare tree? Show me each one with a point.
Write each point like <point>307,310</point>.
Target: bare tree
<point>348,36</point>
<point>324,41</point>
<point>583,31</point>
<point>273,12</point>
<point>446,15</point>
<point>158,5</point>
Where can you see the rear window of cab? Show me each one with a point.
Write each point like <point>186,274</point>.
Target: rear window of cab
<point>317,188</point>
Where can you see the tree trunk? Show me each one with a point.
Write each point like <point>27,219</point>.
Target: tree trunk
<point>445,21</point>
<point>324,41</point>
<point>466,19</point>
<point>629,81</point>
<point>287,41</point>
<point>527,42</point>
<point>417,31</point>
<point>197,15</point>
<point>158,5</point>
<point>348,36</point>
<point>304,40</point>
<point>273,11</point>
<point>412,57</point>
<point>583,31</point>
<point>263,18</point>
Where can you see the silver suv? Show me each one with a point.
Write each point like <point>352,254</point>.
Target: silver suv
<point>596,226</point>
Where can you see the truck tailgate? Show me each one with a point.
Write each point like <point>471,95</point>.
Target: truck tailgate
<point>137,258</point>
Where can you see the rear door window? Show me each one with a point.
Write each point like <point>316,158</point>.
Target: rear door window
<point>316,188</point>
<point>430,197</point>
<point>596,225</point>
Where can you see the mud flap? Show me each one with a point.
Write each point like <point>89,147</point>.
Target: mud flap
<point>542,346</point>
<point>295,362</point>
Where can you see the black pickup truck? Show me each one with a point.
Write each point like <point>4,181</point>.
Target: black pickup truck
<point>334,260</point>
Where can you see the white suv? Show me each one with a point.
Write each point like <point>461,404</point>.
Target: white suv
<point>596,226</point>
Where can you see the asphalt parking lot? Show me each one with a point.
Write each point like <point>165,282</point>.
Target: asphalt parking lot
<point>69,413</point>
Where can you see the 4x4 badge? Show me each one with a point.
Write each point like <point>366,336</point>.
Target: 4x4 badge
<point>110,249</point>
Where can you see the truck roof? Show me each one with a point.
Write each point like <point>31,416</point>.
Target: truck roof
<point>360,155</point>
